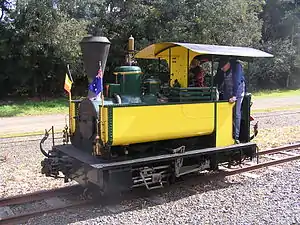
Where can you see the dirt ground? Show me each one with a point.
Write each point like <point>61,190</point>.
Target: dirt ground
<point>275,102</point>
<point>28,124</point>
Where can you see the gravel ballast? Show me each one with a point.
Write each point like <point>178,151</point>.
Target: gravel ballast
<point>278,119</point>
<point>20,167</point>
<point>269,199</point>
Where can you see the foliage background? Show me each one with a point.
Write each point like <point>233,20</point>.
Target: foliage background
<point>39,37</point>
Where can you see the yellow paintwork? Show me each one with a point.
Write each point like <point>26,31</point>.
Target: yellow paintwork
<point>192,55</point>
<point>161,122</point>
<point>178,58</point>
<point>178,66</point>
<point>224,127</point>
<point>138,124</point>
<point>103,124</point>
<point>71,117</point>
<point>151,51</point>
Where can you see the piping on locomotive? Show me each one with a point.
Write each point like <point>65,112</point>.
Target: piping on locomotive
<point>146,132</point>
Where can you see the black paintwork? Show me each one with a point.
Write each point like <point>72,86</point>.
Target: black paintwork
<point>103,164</point>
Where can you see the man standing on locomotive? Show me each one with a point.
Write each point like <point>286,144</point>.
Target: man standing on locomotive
<point>231,84</point>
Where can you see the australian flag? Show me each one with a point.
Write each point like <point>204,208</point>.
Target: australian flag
<point>97,85</point>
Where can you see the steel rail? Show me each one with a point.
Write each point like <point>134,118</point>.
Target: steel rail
<point>25,216</point>
<point>39,195</point>
<point>275,161</point>
<point>24,141</point>
<point>280,148</point>
<point>259,166</point>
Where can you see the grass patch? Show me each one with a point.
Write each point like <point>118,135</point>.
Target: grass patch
<point>282,108</point>
<point>275,93</point>
<point>27,108</point>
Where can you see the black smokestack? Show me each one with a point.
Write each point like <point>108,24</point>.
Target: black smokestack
<point>94,49</point>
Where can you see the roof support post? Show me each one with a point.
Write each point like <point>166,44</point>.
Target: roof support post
<point>170,66</point>
<point>188,67</point>
<point>247,78</point>
<point>212,78</point>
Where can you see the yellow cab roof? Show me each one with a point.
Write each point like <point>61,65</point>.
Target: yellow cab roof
<point>160,50</point>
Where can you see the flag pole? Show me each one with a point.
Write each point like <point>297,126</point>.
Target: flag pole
<point>70,79</point>
<point>102,104</point>
<point>69,72</point>
<point>101,94</point>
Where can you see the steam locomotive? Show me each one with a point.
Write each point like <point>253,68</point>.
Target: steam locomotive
<point>145,132</point>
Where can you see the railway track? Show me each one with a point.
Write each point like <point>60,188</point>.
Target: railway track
<point>8,141</point>
<point>50,196</point>
<point>271,155</point>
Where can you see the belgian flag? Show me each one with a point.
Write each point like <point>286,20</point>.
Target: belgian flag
<point>68,84</point>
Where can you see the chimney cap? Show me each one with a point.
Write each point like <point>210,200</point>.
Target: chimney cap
<point>95,39</point>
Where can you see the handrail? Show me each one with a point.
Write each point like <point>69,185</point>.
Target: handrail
<point>44,139</point>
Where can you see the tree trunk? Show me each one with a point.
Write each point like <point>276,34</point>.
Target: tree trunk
<point>287,83</point>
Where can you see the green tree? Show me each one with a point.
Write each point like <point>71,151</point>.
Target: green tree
<point>44,41</point>
<point>39,37</point>
<point>280,35</point>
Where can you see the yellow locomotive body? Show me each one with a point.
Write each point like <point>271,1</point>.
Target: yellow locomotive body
<point>153,123</point>
<point>137,124</point>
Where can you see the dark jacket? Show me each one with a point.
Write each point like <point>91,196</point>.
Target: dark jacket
<point>237,76</point>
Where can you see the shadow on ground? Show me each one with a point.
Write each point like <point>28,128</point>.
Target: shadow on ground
<point>140,199</point>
